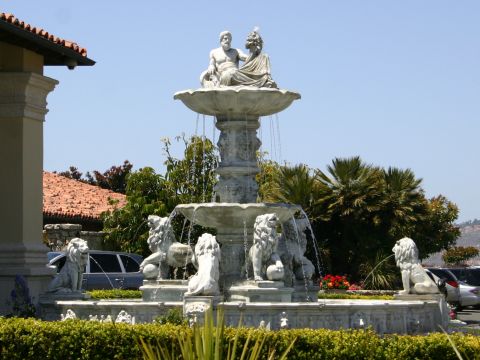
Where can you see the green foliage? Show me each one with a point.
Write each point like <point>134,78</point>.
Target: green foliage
<point>173,316</point>
<point>76,339</point>
<point>186,180</point>
<point>458,255</point>
<point>379,273</point>
<point>191,179</point>
<point>126,228</point>
<point>207,341</point>
<point>364,209</point>
<point>297,185</point>
<point>115,294</point>
<point>268,187</point>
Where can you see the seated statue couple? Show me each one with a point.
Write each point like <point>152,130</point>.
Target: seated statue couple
<point>224,70</point>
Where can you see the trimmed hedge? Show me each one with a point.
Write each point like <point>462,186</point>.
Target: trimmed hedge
<point>78,339</point>
<point>115,294</point>
<point>354,296</point>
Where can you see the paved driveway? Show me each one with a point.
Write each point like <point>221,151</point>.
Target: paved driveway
<point>470,316</point>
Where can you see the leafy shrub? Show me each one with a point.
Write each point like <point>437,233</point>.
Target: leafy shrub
<point>78,339</point>
<point>173,316</point>
<point>115,294</point>
<point>459,254</point>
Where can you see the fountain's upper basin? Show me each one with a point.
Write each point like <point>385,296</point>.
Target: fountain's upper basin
<point>237,101</point>
<point>234,215</point>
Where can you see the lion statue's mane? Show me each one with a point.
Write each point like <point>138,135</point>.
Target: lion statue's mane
<point>70,277</point>
<point>414,278</point>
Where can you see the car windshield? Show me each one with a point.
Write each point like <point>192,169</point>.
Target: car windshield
<point>443,274</point>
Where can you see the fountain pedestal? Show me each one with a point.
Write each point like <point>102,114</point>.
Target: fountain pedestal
<point>163,290</point>
<point>261,291</point>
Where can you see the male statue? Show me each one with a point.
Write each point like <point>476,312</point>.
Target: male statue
<point>224,62</point>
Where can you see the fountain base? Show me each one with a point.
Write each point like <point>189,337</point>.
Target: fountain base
<point>261,291</point>
<point>413,316</point>
<point>163,290</point>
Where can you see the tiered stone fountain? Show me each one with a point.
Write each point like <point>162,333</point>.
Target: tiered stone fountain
<point>237,98</point>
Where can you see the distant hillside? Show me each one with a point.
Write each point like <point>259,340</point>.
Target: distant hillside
<point>470,236</point>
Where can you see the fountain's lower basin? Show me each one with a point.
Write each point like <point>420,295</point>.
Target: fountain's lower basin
<point>228,215</point>
<point>415,316</point>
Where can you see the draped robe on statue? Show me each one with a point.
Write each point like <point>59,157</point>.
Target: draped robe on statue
<point>255,72</point>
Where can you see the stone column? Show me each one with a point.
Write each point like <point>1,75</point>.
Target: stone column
<point>238,145</point>
<point>22,112</point>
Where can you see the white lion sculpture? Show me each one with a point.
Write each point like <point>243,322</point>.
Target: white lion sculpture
<point>166,251</point>
<point>207,261</point>
<point>414,278</point>
<point>263,253</point>
<point>70,277</point>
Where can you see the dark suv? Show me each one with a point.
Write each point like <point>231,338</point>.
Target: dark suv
<point>105,269</point>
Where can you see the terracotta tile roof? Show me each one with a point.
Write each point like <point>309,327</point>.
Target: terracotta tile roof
<point>10,18</point>
<point>64,197</point>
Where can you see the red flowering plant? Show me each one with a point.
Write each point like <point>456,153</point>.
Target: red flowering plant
<point>334,282</point>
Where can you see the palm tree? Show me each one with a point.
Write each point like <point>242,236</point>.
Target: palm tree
<point>297,185</point>
<point>404,202</point>
<point>350,196</point>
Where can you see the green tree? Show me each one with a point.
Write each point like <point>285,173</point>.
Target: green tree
<point>268,187</point>
<point>126,228</point>
<point>362,210</point>
<point>350,197</point>
<point>458,255</point>
<point>297,185</point>
<point>436,230</point>
<point>186,180</point>
<point>192,178</point>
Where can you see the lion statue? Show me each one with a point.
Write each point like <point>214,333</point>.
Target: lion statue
<point>292,246</point>
<point>207,261</point>
<point>166,251</point>
<point>263,253</point>
<point>70,277</point>
<point>414,278</point>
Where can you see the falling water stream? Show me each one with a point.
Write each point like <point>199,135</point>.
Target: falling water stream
<point>189,238</point>
<point>315,245</point>
<point>104,273</point>
<point>305,280</point>
<point>245,246</point>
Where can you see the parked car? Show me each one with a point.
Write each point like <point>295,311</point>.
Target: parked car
<point>105,269</point>
<point>471,276</point>
<point>469,285</point>
<point>451,284</point>
<point>469,295</point>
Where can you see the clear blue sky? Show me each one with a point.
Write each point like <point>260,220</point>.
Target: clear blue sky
<point>396,82</point>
